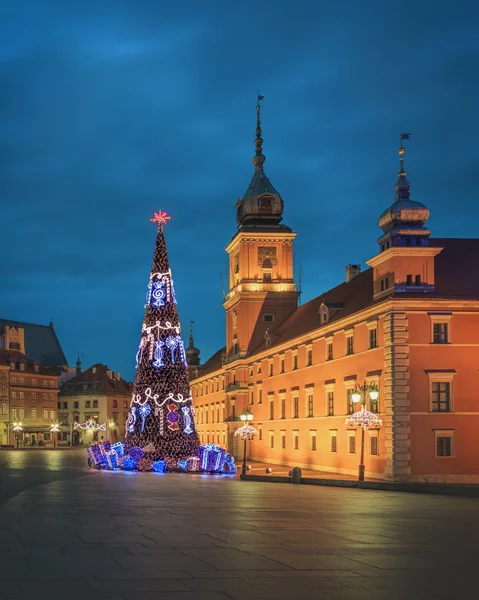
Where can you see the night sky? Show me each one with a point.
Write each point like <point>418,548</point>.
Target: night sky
<point>110,110</point>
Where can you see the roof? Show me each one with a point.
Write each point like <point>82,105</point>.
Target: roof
<point>214,363</point>
<point>455,267</point>
<point>8,356</point>
<point>98,379</point>
<point>41,342</point>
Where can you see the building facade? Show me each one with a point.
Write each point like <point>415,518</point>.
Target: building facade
<point>98,396</point>
<point>29,394</point>
<point>409,324</point>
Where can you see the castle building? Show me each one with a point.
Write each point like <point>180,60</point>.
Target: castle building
<point>408,325</point>
<point>98,396</point>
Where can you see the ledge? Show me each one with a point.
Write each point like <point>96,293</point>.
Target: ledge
<point>390,486</point>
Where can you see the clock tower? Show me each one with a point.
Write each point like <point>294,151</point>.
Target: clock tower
<point>261,288</point>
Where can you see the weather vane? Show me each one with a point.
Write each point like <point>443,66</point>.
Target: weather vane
<point>405,136</point>
<point>160,218</point>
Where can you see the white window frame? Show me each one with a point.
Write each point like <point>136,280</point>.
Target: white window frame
<point>442,377</point>
<point>438,433</point>
<point>440,318</point>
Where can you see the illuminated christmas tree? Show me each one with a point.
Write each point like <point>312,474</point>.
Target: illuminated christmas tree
<point>161,421</point>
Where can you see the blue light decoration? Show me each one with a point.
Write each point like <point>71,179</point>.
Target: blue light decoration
<point>158,354</point>
<point>183,464</point>
<point>144,411</point>
<point>156,295</point>
<point>136,453</point>
<point>129,464</point>
<point>230,466</point>
<point>212,458</point>
<point>119,448</point>
<point>159,466</point>
<point>130,423</point>
<point>186,420</point>
<point>111,460</point>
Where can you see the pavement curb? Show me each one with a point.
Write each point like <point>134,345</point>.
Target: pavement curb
<point>389,486</point>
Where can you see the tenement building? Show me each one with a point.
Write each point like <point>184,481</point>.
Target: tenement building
<point>30,359</point>
<point>93,405</point>
<point>409,324</point>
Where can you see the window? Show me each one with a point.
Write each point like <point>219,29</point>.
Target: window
<point>223,411</point>
<point>295,362</point>
<point>218,413</point>
<point>329,351</point>
<point>21,381</point>
<point>34,413</point>
<point>444,443</point>
<point>251,371</point>
<point>65,405</point>
<point>44,397</point>
<point>21,414</point>
<point>330,404</point>
<point>251,397</point>
<point>258,369</point>
<point>45,414</point>
<point>282,365</point>
<point>34,395</point>
<point>271,439</point>
<point>417,280</point>
<point>115,403</point>
<point>260,433</point>
<point>75,404</point>
<point>351,442</point>
<point>213,414</point>
<point>349,401</point>
<point>309,357</point>
<point>270,369</point>
<point>14,413</point>
<point>260,396</point>
<point>95,403</point>
<point>50,397</point>
<point>374,405</point>
<point>4,374</point>
<point>115,418</point>
<point>87,404</point>
<point>44,383</point>
<point>223,435</point>
<point>233,412</point>
<point>125,404</point>
<point>21,395</point>
<point>312,439</point>
<point>296,440</point>
<point>283,439</point>
<point>13,395</point>
<point>310,403</point>
<point>349,345</point>
<point>4,408</point>
<point>283,408</point>
<point>441,396</point>
<point>14,381</point>
<point>206,414</point>
<point>95,436</point>
<point>373,338</point>
<point>333,441</point>
<point>33,382</point>
<point>50,383</point>
<point>268,318</point>
<point>271,409</point>
<point>295,407</point>
<point>439,335</point>
<point>267,277</point>
<point>52,414</point>
<point>4,390</point>
<point>409,280</point>
<point>373,443</point>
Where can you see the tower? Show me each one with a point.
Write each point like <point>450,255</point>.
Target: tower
<point>405,262</point>
<point>261,289</point>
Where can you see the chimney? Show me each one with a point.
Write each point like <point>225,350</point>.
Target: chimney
<point>109,374</point>
<point>116,375</point>
<point>93,370</point>
<point>352,271</point>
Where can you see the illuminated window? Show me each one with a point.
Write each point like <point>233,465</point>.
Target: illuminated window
<point>349,401</point>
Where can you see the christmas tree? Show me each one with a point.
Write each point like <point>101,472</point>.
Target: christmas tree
<point>161,424</point>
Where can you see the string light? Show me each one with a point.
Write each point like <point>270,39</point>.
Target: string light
<point>90,425</point>
<point>246,432</point>
<point>364,419</point>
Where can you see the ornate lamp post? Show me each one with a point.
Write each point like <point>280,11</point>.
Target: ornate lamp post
<point>246,432</point>
<point>364,418</point>
<point>17,427</point>
<point>54,429</point>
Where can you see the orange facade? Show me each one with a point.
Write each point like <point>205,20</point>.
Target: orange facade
<point>409,324</point>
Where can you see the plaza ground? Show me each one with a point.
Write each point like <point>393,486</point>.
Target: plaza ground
<point>71,533</point>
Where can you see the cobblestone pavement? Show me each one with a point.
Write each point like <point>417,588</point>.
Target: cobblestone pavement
<point>69,533</point>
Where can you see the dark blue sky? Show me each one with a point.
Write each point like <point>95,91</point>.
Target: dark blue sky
<point>111,109</point>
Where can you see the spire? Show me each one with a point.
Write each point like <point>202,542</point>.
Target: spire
<point>191,341</point>
<point>259,159</point>
<point>402,186</point>
<point>78,364</point>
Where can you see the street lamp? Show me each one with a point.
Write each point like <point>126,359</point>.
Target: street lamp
<point>54,429</point>
<point>17,426</point>
<point>246,432</point>
<point>364,418</point>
